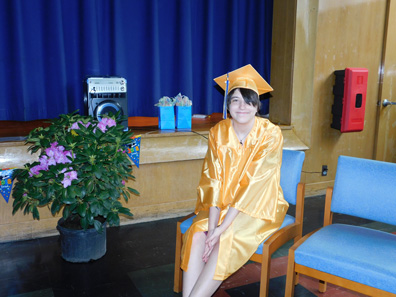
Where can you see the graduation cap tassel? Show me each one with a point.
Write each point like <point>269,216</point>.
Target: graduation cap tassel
<point>225,99</point>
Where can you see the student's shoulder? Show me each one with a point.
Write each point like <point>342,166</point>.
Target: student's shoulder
<point>266,124</point>
<point>222,126</point>
<point>266,128</point>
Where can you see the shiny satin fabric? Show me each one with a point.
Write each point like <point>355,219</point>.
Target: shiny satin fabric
<point>246,177</point>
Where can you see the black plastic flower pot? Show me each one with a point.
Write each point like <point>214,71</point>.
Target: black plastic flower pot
<point>81,246</point>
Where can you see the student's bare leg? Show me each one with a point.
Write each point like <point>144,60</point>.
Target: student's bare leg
<point>195,263</point>
<point>205,286</point>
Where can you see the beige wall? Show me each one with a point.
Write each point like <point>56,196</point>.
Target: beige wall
<point>330,35</point>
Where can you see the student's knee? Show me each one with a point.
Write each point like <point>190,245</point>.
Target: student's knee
<point>199,238</point>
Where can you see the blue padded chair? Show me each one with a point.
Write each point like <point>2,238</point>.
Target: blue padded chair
<point>293,191</point>
<point>355,257</point>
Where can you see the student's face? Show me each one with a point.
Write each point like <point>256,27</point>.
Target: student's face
<point>240,111</point>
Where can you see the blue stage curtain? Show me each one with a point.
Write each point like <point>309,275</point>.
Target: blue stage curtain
<point>162,47</point>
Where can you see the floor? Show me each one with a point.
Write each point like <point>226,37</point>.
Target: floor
<point>139,263</point>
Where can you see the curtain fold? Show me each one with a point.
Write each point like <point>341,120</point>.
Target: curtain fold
<point>162,47</point>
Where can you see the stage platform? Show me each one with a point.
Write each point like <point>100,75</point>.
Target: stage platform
<point>167,177</point>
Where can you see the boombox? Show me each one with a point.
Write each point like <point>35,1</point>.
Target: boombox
<point>104,95</point>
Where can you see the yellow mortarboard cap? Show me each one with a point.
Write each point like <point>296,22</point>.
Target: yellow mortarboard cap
<point>245,77</point>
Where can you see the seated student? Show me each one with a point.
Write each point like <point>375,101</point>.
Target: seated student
<point>240,202</point>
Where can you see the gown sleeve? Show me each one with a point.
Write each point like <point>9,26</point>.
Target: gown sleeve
<point>209,189</point>
<point>259,187</point>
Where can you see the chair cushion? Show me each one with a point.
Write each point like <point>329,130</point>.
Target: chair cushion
<point>355,253</point>
<point>287,221</point>
<point>186,224</point>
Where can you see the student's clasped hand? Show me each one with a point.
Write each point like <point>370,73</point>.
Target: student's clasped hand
<point>212,238</point>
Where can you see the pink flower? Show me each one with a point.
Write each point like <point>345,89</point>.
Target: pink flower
<point>75,125</point>
<point>109,122</point>
<point>57,154</point>
<point>123,182</point>
<point>69,176</point>
<point>35,170</point>
<point>102,127</point>
<point>53,153</point>
<point>106,122</point>
<point>61,157</point>
<point>44,162</point>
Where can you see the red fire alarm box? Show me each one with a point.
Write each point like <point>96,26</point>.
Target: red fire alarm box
<point>349,99</point>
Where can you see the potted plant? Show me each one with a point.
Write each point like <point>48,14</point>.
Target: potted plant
<point>82,172</point>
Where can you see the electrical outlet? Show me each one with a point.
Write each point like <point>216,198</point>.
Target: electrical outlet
<point>324,170</point>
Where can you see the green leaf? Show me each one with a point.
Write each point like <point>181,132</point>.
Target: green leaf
<point>34,139</point>
<point>69,200</point>
<point>55,207</point>
<point>125,196</point>
<point>134,191</point>
<point>97,171</point>
<point>113,219</point>
<point>125,211</point>
<point>131,176</point>
<point>114,193</point>
<point>98,226</point>
<point>90,199</point>
<point>107,204</point>
<point>39,184</point>
<point>71,191</point>
<point>104,195</point>
<point>82,192</point>
<point>88,167</point>
<point>50,191</point>
<point>84,223</point>
<point>36,214</point>
<point>44,143</point>
<point>90,187</point>
<point>81,209</point>
<point>66,212</point>
<point>89,216</point>
<point>69,138</point>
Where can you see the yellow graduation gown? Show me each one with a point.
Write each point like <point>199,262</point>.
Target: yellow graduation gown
<point>246,177</point>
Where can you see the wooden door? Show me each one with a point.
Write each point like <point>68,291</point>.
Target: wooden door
<point>385,143</point>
